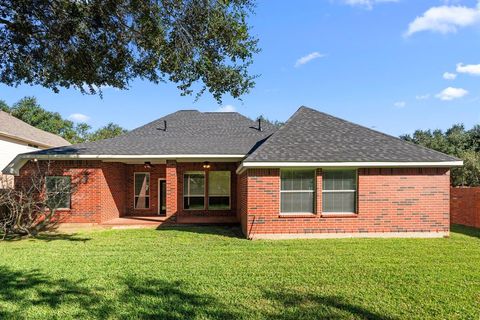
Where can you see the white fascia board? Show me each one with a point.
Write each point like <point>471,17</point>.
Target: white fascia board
<point>439,164</point>
<point>16,164</point>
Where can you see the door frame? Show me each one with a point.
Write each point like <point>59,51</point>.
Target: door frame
<point>159,210</point>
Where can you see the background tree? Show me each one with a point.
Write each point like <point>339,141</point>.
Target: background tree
<point>458,142</point>
<point>88,44</point>
<point>109,131</point>
<point>29,111</point>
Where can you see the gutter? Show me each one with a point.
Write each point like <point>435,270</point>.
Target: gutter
<point>20,160</point>
<point>397,164</point>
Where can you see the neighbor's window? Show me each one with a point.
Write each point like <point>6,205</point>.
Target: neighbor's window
<point>142,190</point>
<point>297,191</point>
<point>219,190</point>
<point>339,191</point>
<point>58,192</point>
<point>194,190</point>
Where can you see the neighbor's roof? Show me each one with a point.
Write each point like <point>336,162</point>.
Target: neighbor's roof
<point>189,132</point>
<point>313,136</point>
<point>17,129</point>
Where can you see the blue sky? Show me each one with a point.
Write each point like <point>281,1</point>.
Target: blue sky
<point>392,65</point>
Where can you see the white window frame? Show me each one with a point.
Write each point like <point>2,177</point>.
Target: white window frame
<point>229,190</point>
<point>135,196</point>
<point>189,195</point>
<point>299,191</point>
<point>335,191</point>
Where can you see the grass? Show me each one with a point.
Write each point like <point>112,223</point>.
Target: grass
<point>210,272</point>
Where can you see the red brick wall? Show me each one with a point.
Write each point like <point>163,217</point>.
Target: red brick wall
<point>113,190</point>
<point>242,199</point>
<point>389,200</point>
<point>465,206</point>
<point>86,201</point>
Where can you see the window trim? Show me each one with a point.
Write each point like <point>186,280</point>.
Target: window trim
<point>340,213</point>
<point>314,191</point>
<point>204,190</point>
<point>69,193</point>
<point>229,191</point>
<point>135,196</point>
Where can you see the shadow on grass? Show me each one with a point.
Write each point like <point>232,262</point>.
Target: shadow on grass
<point>468,231</point>
<point>47,237</point>
<point>223,230</point>
<point>297,305</point>
<point>25,293</point>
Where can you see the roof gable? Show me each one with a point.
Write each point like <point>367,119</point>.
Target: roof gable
<point>16,128</point>
<point>313,136</point>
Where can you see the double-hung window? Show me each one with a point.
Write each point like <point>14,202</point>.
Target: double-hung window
<point>297,191</point>
<point>58,192</point>
<point>219,190</point>
<point>142,190</point>
<point>339,191</point>
<point>194,190</point>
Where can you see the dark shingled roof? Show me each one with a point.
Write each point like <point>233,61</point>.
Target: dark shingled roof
<point>313,136</point>
<point>189,132</point>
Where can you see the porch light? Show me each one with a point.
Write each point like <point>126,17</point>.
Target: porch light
<point>147,165</point>
<point>206,165</point>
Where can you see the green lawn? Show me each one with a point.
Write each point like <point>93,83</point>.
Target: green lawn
<point>210,272</point>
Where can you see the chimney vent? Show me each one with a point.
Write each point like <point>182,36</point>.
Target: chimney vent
<point>260,124</point>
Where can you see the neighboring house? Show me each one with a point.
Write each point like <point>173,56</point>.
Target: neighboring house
<point>316,176</point>
<point>18,137</point>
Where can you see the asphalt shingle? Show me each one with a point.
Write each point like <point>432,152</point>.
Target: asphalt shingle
<point>313,136</point>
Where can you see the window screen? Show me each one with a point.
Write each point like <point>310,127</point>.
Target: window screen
<point>142,190</point>
<point>58,192</point>
<point>194,191</point>
<point>297,191</point>
<point>339,191</point>
<point>218,190</point>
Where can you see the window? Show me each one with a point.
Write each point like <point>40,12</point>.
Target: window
<point>194,190</point>
<point>297,191</point>
<point>219,190</point>
<point>58,192</point>
<point>339,191</point>
<point>142,190</point>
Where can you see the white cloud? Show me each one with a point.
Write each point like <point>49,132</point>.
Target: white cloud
<point>449,76</point>
<point>309,57</point>
<point>400,104</point>
<point>423,96</point>
<point>451,93</point>
<point>368,4</point>
<point>473,69</point>
<point>226,108</point>
<point>445,19</point>
<point>78,117</point>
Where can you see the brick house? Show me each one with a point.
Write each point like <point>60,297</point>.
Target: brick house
<point>316,176</point>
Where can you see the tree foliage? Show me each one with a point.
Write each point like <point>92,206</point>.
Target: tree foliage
<point>458,142</point>
<point>29,111</point>
<point>88,44</point>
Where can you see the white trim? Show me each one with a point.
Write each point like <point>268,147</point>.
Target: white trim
<point>134,194</point>
<point>158,195</point>
<point>287,236</point>
<point>435,164</point>
<point>20,160</point>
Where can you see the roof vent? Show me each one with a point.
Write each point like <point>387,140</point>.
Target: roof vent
<point>164,126</point>
<point>260,124</point>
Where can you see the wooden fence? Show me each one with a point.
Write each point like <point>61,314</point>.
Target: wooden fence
<point>465,206</point>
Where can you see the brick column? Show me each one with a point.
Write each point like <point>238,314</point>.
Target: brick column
<point>171,180</point>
